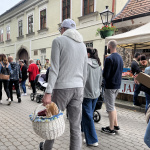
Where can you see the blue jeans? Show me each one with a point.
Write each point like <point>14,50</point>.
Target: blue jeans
<point>23,86</point>
<point>88,127</point>
<point>147,100</point>
<point>147,135</point>
<point>136,93</point>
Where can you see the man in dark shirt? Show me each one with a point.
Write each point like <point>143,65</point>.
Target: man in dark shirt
<point>112,74</point>
<point>135,70</point>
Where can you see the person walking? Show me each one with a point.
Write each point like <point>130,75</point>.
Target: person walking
<point>112,74</point>
<point>24,77</point>
<point>66,81</point>
<point>14,78</point>
<point>135,68</point>
<point>33,72</point>
<point>47,65</point>
<point>5,74</point>
<point>91,94</point>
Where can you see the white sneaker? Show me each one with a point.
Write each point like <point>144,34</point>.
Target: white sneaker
<point>25,94</point>
<point>1,102</point>
<point>84,141</point>
<point>9,101</point>
<point>94,144</point>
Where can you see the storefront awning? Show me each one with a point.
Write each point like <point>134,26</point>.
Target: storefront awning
<point>138,38</point>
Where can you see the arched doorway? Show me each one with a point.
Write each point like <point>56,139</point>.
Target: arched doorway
<point>23,54</point>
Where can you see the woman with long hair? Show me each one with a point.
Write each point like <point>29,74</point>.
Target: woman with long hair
<point>91,94</point>
<point>5,72</point>
<point>38,63</point>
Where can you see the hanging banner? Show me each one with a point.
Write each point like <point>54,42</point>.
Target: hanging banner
<point>128,87</point>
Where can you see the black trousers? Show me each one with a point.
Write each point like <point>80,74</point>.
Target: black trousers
<point>6,88</point>
<point>33,86</point>
<point>0,89</point>
<point>16,83</point>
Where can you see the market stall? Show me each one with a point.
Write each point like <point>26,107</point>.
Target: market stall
<point>138,38</point>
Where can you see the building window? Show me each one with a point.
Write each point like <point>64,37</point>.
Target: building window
<point>65,9</point>
<point>43,56</point>
<point>90,44</point>
<point>8,32</point>
<point>30,24</point>
<point>35,52</point>
<point>1,35</point>
<point>20,27</point>
<point>88,7</point>
<point>43,19</point>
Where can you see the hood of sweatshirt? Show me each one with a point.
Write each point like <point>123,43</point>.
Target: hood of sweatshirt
<point>73,34</point>
<point>93,63</point>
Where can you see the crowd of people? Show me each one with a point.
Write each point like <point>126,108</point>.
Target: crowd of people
<point>140,64</point>
<point>74,83</point>
<point>13,74</point>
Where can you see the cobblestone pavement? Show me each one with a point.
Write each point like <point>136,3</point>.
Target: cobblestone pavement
<point>16,131</point>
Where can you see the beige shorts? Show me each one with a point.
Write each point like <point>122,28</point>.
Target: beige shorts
<point>109,98</point>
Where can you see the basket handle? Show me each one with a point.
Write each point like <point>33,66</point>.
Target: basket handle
<point>35,111</point>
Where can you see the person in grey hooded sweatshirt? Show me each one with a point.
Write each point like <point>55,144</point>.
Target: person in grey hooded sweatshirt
<point>67,78</point>
<point>91,94</point>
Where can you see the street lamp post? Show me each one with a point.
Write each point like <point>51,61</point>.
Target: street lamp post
<point>106,17</point>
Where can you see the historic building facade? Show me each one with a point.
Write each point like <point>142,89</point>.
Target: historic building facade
<point>28,29</point>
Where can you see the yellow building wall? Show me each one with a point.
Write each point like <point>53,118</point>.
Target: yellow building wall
<point>44,40</point>
<point>119,5</point>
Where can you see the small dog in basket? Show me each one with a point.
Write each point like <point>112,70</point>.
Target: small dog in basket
<point>51,110</point>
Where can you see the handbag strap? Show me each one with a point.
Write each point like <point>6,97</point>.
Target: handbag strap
<point>2,64</point>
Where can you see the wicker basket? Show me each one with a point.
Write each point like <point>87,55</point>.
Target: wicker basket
<point>48,128</point>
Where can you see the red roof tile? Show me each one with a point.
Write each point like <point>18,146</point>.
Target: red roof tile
<point>133,8</point>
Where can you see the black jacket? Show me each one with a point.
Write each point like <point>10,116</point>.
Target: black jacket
<point>135,68</point>
<point>47,73</point>
<point>24,73</point>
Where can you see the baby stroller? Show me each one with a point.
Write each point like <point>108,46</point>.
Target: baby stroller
<point>96,114</point>
<point>41,85</point>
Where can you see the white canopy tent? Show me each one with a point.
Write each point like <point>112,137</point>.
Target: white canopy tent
<point>138,38</point>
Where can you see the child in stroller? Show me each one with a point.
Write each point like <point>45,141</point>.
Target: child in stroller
<point>40,83</point>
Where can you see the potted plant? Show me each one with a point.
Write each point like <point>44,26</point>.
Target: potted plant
<point>106,31</point>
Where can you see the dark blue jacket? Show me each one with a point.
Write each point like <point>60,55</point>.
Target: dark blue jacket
<point>112,72</point>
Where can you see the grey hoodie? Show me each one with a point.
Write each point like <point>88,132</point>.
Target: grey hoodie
<point>68,62</point>
<point>94,80</point>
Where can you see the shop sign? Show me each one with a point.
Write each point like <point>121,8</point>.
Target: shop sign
<point>128,87</point>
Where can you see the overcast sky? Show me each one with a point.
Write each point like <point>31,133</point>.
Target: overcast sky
<point>7,4</point>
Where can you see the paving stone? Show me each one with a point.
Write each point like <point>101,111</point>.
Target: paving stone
<point>12,148</point>
<point>16,132</point>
